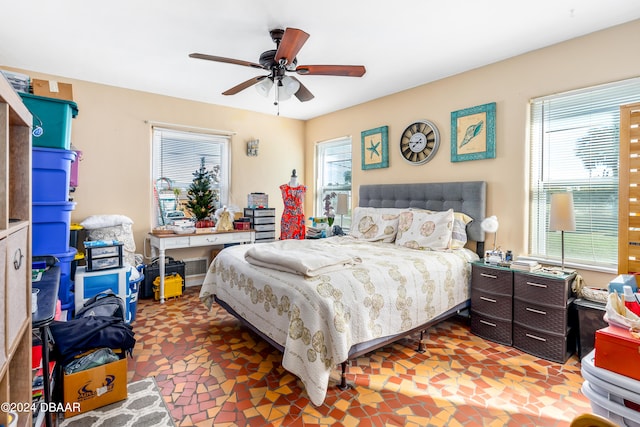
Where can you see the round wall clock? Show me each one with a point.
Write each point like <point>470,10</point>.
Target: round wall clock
<point>419,142</point>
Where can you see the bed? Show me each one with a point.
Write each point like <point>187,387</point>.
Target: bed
<point>325,301</point>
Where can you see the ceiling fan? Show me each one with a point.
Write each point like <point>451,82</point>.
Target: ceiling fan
<point>280,61</point>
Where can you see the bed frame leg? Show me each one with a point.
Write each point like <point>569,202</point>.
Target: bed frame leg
<point>343,377</point>
<point>421,348</point>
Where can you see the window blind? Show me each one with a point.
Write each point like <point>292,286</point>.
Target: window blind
<point>575,147</point>
<point>178,154</point>
<point>333,172</point>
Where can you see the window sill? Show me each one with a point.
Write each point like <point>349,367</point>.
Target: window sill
<point>610,269</point>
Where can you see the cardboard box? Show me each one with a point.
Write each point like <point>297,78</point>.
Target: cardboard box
<point>618,351</point>
<point>52,89</point>
<point>95,387</point>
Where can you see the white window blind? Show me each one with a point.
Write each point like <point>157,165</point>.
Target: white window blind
<point>178,154</point>
<point>333,169</point>
<point>575,147</point>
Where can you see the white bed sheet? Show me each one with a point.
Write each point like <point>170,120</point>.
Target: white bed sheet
<point>318,319</point>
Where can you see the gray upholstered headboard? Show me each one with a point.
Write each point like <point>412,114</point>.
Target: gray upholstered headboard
<point>468,197</point>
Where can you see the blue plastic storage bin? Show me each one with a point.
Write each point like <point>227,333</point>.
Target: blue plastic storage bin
<point>51,227</point>
<point>51,174</point>
<point>51,120</point>
<point>66,279</point>
<point>134,285</point>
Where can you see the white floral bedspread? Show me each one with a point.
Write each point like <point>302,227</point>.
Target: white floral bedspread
<point>318,319</point>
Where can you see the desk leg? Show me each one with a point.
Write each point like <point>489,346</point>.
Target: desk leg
<point>161,272</point>
<point>46,384</point>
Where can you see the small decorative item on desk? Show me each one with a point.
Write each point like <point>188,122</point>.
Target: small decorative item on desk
<point>224,219</point>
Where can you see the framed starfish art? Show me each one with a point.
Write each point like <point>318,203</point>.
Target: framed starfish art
<point>375,148</point>
<point>473,133</point>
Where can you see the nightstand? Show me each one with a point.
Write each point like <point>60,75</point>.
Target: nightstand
<point>544,317</point>
<point>531,311</point>
<point>492,302</point>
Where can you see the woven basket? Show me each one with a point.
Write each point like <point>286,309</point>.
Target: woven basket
<point>594,294</point>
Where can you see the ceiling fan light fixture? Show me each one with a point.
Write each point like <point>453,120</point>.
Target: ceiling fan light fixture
<point>264,87</point>
<point>290,85</point>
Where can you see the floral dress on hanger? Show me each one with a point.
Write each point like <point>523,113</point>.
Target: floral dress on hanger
<point>292,225</point>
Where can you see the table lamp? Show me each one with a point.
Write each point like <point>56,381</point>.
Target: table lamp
<point>490,225</point>
<point>342,205</point>
<point>562,216</point>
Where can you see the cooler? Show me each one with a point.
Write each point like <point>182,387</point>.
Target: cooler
<point>618,351</point>
<point>613,396</point>
<point>90,283</point>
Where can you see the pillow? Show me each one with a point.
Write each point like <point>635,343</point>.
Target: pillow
<point>459,231</point>
<point>373,226</point>
<point>100,221</point>
<point>418,229</point>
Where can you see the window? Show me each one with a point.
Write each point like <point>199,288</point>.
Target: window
<point>575,147</point>
<point>333,169</point>
<point>176,156</point>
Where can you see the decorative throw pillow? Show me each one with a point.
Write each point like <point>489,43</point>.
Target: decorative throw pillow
<point>459,232</point>
<point>372,226</point>
<point>419,229</point>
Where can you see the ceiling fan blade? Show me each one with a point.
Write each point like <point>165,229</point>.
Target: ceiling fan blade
<point>332,70</point>
<point>291,43</point>
<point>225,60</point>
<point>303,93</point>
<point>242,86</point>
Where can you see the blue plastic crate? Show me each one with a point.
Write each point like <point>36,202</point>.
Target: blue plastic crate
<point>51,227</point>
<point>51,174</point>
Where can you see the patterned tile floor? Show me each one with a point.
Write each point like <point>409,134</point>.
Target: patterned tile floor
<point>212,372</point>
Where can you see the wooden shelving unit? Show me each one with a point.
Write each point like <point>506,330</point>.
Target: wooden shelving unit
<point>15,253</point>
<point>629,190</point>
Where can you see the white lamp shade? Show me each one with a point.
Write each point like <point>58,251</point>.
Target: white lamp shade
<point>264,87</point>
<point>342,205</point>
<point>562,216</point>
<point>490,224</point>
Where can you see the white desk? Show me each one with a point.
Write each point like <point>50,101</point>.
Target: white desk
<point>161,243</point>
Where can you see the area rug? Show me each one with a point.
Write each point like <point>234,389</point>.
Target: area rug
<point>143,407</point>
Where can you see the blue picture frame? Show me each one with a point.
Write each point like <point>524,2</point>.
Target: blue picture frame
<point>473,133</point>
<point>375,148</point>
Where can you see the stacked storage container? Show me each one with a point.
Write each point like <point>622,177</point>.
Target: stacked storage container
<point>613,396</point>
<point>51,168</point>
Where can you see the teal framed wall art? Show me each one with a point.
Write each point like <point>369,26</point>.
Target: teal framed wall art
<point>375,148</point>
<point>473,133</point>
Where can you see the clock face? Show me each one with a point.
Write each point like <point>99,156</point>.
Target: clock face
<point>419,142</point>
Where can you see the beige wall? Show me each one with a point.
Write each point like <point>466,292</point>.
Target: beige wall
<point>111,130</point>
<point>594,59</point>
<point>115,171</point>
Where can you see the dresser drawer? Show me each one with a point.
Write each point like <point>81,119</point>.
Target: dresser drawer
<point>546,345</point>
<point>541,289</point>
<point>264,227</point>
<point>546,318</point>
<point>264,220</point>
<point>492,280</point>
<point>494,305</point>
<point>493,329</point>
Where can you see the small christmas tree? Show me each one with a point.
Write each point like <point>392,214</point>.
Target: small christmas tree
<point>200,195</point>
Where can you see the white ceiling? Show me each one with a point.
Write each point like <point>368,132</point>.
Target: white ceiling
<point>144,44</point>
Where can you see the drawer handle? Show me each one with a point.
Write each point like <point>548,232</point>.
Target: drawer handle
<point>487,299</point>
<point>538,285</point>
<point>17,259</point>
<point>212,240</point>
<point>536,338</point>
<point>533,310</point>
<point>490,276</point>
<point>493,325</point>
